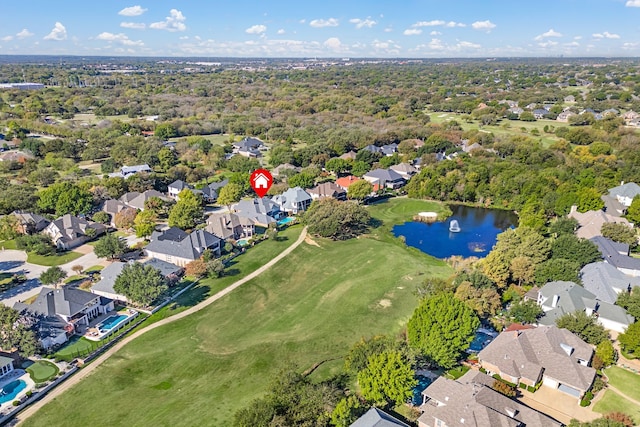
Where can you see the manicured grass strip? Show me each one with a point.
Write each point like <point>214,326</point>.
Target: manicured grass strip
<point>8,244</point>
<point>94,268</point>
<point>75,278</point>
<point>456,372</point>
<point>311,306</point>
<point>57,259</point>
<point>625,381</point>
<point>42,371</point>
<point>76,347</point>
<point>613,402</point>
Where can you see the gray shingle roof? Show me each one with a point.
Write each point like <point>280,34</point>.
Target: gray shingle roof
<point>39,222</point>
<point>605,281</point>
<point>374,417</point>
<point>630,190</point>
<point>65,301</point>
<point>110,273</point>
<point>71,227</point>
<point>613,253</point>
<point>528,352</point>
<point>386,175</point>
<point>224,225</point>
<point>178,185</point>
<point>182,245</point>
<point>470,401</point>
<point>135,169</point>
<point>328,189</point>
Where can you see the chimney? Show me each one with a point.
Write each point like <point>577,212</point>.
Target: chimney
<point>574,209</point>
<point>554,302</point>
<point>516,334</point>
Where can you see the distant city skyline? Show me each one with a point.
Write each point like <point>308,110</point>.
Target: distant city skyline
<point>376,28</point>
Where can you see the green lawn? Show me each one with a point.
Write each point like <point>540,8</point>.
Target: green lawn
<point>42,371</point>
<point>625,381</point>
<point>57,259</point>
<point>76,347</point>
<point>613,402</point>
<point>94,268</point>
<point>8,244</point>
<point>311,306</point>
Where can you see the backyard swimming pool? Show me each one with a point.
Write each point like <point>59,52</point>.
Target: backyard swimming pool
<point>11,390</point>
<point>480,341</point>
<point>285,221</point>
<point>423,382</point>
<point>111,322</point>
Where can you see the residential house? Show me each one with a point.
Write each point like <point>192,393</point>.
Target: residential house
<point>16,156</point>
<point>127,171</point>
<point>294,200</point>
<point>617,254</point>
<point>69,231</point>
<point>30,223</point>
<point>606,282</point>
<point>346,181</point>
<point>405,170</point>
<point>375,417</point>
<point>516,110</point>
<point>137,200</point>
<point>591,222</point>
<point>539,113</point>
<point>57,312</point>
<point>471,401</point>
<point>211,191</point>
<point>260,212</point>
<point>279,170</point>
<point>180,248</point>
<point>620,198</point>
<point>469,148</point>
<point>108,276</point>
<point>351,155</point>
<point>565,116</point>
<point>249,147</point>
<point>372,148</point>
<point>327,190</point>
<point>386,178</point>
<point>113,207</point>
<point>569,98</point>
<point>547,354</point>
<point>227,226</point>
<point>176,187</point>
<point>630,115</point>
<point>559,298</point>
<point>389,149</point>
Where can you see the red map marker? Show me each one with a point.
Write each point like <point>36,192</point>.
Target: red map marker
<point>261,181</point>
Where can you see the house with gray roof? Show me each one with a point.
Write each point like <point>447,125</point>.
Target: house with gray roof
<point>327,190</point>
<point>29,222</point>
<point>387,178</point>
<point>137,200</point>
<point>227,226</point>
<point>108,276</point>
<point>180,248</point>
<point>389,149</point>
<point>547,354</point>
<point>620,198</point>
<point>176,187</point>
<point>559,298</point>
<point>69,231</point>
<point>211,191</point>
<point>375,417</point>
<point>261,212</point>
<point>285,169</point>
<point>606,282</point>
<point>127,171</point>
<point>372,149</point>
<point>591,222</point>
<point>351,155</point>
<point>294,200</point>
<point>405,170</point>
<point>470,401</point>
<point>617,254</point>
<point>249,147</point>
<point>57,312</point>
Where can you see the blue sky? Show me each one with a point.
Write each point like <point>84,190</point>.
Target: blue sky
<point>327,28</point>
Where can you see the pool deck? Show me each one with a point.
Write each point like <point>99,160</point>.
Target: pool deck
<point>93,333</point>
<point>16,374</point>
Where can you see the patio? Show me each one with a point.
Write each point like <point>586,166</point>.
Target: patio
<point>96,331</point>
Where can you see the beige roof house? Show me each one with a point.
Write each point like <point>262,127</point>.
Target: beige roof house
<point>592,221</point>
<point>554,356</point>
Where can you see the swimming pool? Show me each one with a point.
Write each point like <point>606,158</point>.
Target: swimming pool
<point>285,221</point>
<point>480,341</point>
<point>423,382</point>
<point>111,322</point>
<point>243,242</point>
<point>11,390</point>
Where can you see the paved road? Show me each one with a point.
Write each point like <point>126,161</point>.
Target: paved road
<point>87,370</point>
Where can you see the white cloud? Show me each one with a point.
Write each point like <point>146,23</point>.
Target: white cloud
<point>412,32</point>
<point>333,43</point>
<point>281,31</point>
<point>548,43</point>
<point>572,44</point>
<point>7,38</point>
<point>435,33</point>
<point>302,21</point>
<point>633,3</point>
<point>605,35</point>
<point>452,24</point>
<point>24,34</point>
<point>59,32</point>
<point>436,44</point>
<point>321,23</point>
<point>483,25</point>
<point>132,11</point>
<point>577,38</point>
<point>388,30</point>
<point>174,22</point>
<point>256,29</point>
<point>119,38</point>
<point>468,45</point>
<point>361,23</point>
<point>134,25</point>
<point>550,33</point>
<point>434,23</point>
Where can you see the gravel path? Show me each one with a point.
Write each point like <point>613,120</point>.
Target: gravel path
<point>87,370</point>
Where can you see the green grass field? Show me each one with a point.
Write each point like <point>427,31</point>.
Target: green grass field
<point>215,139</point>
<point>311,306</point>
<point>42,371</point>
<point>51,260</point>
<point>613,402</point>
<point>625,381</point>
<point>628,383</point>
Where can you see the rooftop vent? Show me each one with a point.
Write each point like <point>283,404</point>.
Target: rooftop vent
<point>567,348</point>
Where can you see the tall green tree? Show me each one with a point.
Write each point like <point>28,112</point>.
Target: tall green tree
<point>441,328</point>
<point>575,249</point>
<point>65,197</point>
<point>141,284</point>
<point>525,312</point>
<point>347,411</point>
<point>110,246</point>
<point>16,333</point>
<point>606,352</point>
<point>359,190</point>
<point>53,276</point>
<point>630,339</point>
<point>387,378</point>
<point>187,212</point>
<point>336,220</point>
<point>145,223</point>
<point>584,326</point>
<point>229,194</point>
<point>633,211</point>
<point>621,233</point>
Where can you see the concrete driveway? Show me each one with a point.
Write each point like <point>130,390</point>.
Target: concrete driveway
<point>557,404</point>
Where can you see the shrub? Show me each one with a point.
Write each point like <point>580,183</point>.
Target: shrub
<point>16,403</point>
<point>531,389</point>
<point>484,371</point>
<point>523,386</point>
<point>584,403</point>
<point>29,393</point>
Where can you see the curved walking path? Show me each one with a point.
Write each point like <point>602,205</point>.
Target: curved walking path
<point>84,372</point>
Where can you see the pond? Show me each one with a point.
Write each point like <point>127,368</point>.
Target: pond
<point>478,229</point>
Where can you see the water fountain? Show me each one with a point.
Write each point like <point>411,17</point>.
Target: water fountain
<point>454,227</point>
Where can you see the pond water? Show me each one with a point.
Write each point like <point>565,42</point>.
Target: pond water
<point>479,228</point>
